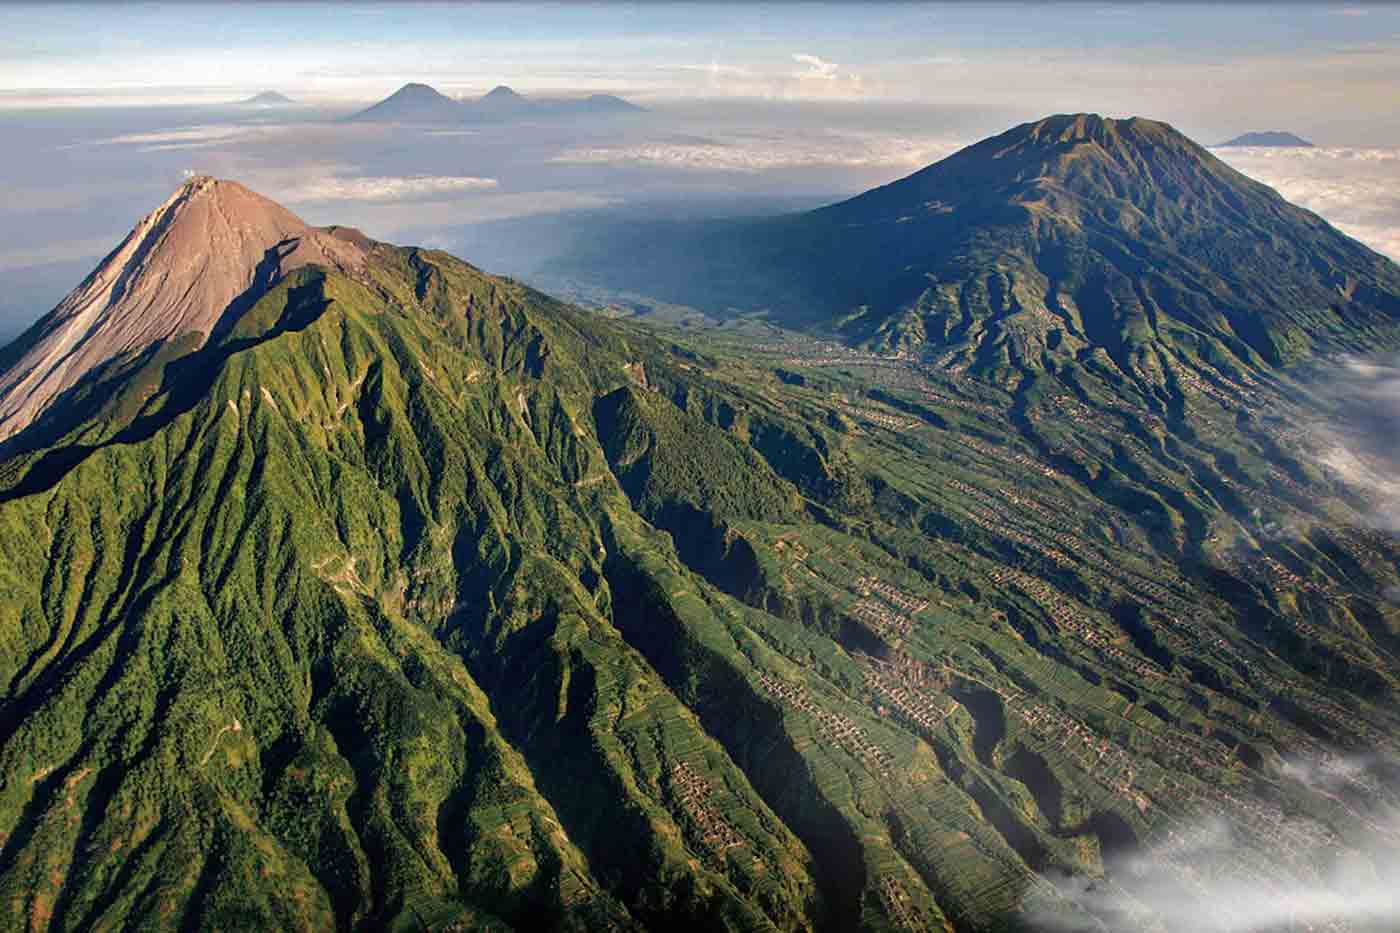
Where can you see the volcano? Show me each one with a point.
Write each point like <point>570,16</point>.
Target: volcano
<point>174,278</point>
<point>346,586</point>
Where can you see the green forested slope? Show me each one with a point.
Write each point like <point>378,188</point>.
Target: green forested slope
<point>420,600</point>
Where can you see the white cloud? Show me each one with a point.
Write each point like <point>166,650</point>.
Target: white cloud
<point>823,79</point>
<point>716,69</point>
<point>817,79</point>
<point>1358,440</point>
<point>765,153</point>
<point>190,137</point>
<point>1215,874</point>
<point>64,251</point>
<point>1356,189</point>
<point>816,68</point>
<point>414,221</point>
<point>384,188</point>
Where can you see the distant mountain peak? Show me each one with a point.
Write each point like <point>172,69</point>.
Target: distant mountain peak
<point>414,102</point>
<point>1111,227</point>
<point>179,270</point>
<point>268,99</point>
<point>501,99</point>
<point>416,90</point>
<point>1081,153</point>
<point>610,102</point>
<point>420,103</point>
<point>1272,138</point>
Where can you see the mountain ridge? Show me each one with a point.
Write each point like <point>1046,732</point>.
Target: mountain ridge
<point>421,103</point>
<point>1102,231</point>
<point>414,598</point>
<point>268,99</point>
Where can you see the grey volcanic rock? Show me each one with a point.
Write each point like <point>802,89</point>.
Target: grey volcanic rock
<point>175,274</point>
<point>1274,138</point>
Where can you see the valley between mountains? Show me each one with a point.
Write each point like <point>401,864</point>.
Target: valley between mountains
<point>346,586</point>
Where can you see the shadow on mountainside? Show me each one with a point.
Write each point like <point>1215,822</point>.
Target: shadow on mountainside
<point>171,372</point>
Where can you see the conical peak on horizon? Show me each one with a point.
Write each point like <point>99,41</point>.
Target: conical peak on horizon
<point>418,102</point>
<point>418,89</point>
<point>1274,139</point>
<point>268,99</point>
<point>176,273</point>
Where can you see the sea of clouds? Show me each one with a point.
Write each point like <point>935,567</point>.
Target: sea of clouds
<point>1356,189</point>
<point>79,177</point>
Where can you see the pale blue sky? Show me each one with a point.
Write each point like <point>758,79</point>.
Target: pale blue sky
<point>1307,66</point>
<point>752,108</point>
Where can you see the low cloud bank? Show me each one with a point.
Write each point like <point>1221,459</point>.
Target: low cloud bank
<point>1356,189</point>
<point>1359,443</point>
<point>1208,875</point>
<point>385,188</point>
<point>765,153</point>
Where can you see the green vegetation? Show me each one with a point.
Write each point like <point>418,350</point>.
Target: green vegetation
<point>421,600</point>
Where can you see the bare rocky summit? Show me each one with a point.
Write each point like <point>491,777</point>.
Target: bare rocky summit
<point>178,272</point>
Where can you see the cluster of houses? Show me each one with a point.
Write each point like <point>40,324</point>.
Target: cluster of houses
<point>835,728</point>
<point>692,792</point>
<point>904,684</point>
<point>1062,612</point>
<point>1007,456</point>
<point>1099,757</point>
<point>898,905</point>
<point>887,609</point>
<point>878,417</point>
<point>997,523</point>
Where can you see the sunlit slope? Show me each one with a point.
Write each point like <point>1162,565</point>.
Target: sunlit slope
<point>418,599</point>
<point>246,652</point>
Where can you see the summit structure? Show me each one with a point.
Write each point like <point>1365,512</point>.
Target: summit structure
<point>176,275</point>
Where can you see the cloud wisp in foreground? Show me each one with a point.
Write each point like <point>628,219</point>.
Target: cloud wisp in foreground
<point>1203,874</point>
<point>1359,443</point>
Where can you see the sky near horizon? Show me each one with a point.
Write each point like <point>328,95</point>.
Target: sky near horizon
<point>1326,69</point>
<point>752,108</point>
